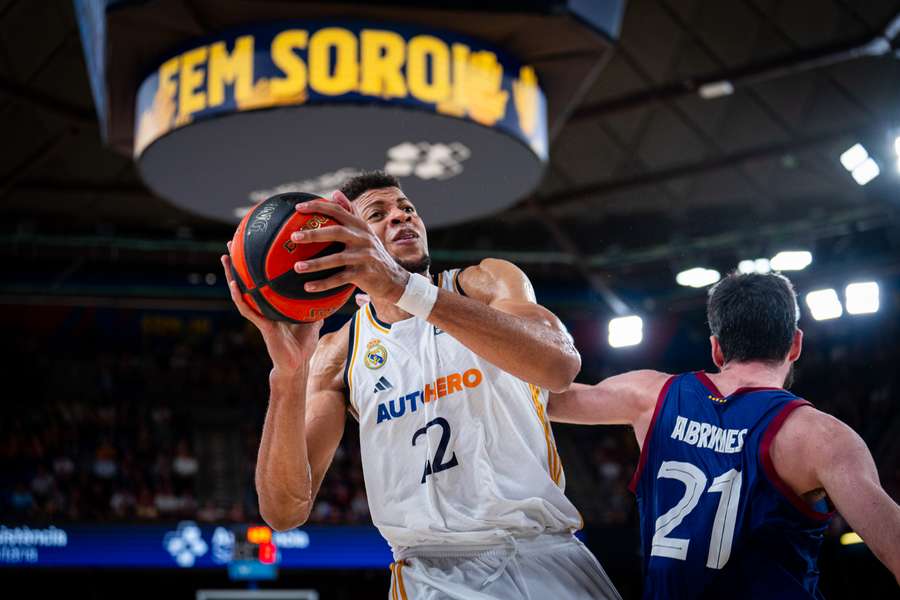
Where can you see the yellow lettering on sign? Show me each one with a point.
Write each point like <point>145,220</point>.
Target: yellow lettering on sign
<point>235,68</point>
<point>167,85</point>
<point>525,97</point>
<point>293,84</point>
<point>477,87</point>
<point>419,49</point>
<point>455,105</point>
<point>382,58</point>
<point>190,77</point>
<point>342,76</point>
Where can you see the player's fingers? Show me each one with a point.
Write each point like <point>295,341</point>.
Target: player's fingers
<point>226,265</point>
<point>333,210</point>
<point>228,245</point>
<point>339,197</point>
<point>244,308</point>
<point>333,233</point>
<point>342,278</point>
<point>338,259</point>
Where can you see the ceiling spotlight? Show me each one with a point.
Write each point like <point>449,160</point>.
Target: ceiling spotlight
<point>897,145</point>
<point>824,304</point>
<point>759,265</point>
<point>746,267</point>
<point>793,260</point>
<point>861,298</point>
<point>854,156</point>
<point>626,331</point>
<point>716,89</point>
<point>697,277</point>
<point>866,171</point>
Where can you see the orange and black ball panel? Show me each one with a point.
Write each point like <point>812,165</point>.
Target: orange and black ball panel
<point>263,258</point>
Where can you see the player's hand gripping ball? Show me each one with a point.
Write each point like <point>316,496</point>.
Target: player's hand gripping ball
<point>263,257</point>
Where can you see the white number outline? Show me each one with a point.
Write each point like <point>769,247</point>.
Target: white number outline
<point>694,481</point>
<point>728,485</point>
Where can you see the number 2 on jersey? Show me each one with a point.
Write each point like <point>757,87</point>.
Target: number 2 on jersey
<point>728,485</point>
<point>437,465</point>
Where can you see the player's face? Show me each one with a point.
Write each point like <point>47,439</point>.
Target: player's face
<point>394,219</point>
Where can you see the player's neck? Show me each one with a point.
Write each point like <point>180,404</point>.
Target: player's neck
<point>734,376</point>
<point>390,313</point>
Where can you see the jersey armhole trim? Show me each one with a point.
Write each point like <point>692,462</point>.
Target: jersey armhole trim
<point>632,486</point>
<point>352,342</point>
<point>769,467</point>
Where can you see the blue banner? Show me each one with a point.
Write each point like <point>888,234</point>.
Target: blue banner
<point>186,545</point>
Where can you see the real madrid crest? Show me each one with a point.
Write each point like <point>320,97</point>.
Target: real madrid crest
<point>376,355</point>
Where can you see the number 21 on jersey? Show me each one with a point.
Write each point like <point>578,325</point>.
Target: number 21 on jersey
<point>728,485</point>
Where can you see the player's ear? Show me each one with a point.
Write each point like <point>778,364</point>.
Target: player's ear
<point>796,346</point>
<point>718,357</point>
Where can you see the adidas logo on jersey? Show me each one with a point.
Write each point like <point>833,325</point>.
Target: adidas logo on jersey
<point>382,385</point>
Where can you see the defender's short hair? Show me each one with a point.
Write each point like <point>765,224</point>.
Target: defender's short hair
<point>754,316</point>
<point>356,186</point>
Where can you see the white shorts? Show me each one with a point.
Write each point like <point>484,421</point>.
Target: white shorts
<point>546,567</point>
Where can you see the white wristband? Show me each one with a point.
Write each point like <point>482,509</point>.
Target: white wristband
<point>419,296</point>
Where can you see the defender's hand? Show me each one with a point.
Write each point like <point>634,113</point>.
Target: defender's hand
<point>366,262</point>
<point>290,345</point>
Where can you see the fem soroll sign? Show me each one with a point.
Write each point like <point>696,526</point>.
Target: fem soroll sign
<point>222,119</point>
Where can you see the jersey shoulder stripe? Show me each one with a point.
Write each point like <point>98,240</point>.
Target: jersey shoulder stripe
<point>777,482</point>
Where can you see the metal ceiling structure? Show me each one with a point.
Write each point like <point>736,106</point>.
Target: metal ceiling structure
<point>712,135</point>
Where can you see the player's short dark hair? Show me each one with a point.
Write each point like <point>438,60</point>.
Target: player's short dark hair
<point>754,316</point>
<point>357,185</point>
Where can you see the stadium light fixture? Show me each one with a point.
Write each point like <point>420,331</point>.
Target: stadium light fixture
<point>862,167</point>
<point>697,277</point>
<point>861,298</point>
<point>626,331</point>
<point>866,172</point>
<point>792,260</point>
<point>854,156</point>
<point>759,265</point>
<point>824,304</point>
<point>897,145</point>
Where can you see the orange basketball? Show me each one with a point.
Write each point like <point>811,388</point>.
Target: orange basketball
<point>263,257</point>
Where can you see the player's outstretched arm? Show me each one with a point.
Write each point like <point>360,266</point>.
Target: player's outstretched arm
<point>305,417</point>
<point>626,399</point>
<point>813,451</point>
<point>499,320</point>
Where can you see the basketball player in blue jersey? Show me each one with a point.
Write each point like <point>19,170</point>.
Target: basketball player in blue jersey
<point>737,476</point>
<point>448,377</point>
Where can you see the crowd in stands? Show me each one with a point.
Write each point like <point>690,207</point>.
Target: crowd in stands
<point>109,432</point>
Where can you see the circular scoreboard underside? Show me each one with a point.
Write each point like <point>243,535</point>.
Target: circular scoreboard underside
<point>452,170</point>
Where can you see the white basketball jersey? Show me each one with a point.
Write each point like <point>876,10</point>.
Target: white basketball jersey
<point>454,450</point>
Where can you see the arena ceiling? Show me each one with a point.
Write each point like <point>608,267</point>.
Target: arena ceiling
<point>647,177</point>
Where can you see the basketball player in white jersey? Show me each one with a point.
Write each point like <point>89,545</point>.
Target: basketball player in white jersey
<point>448,376</point>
